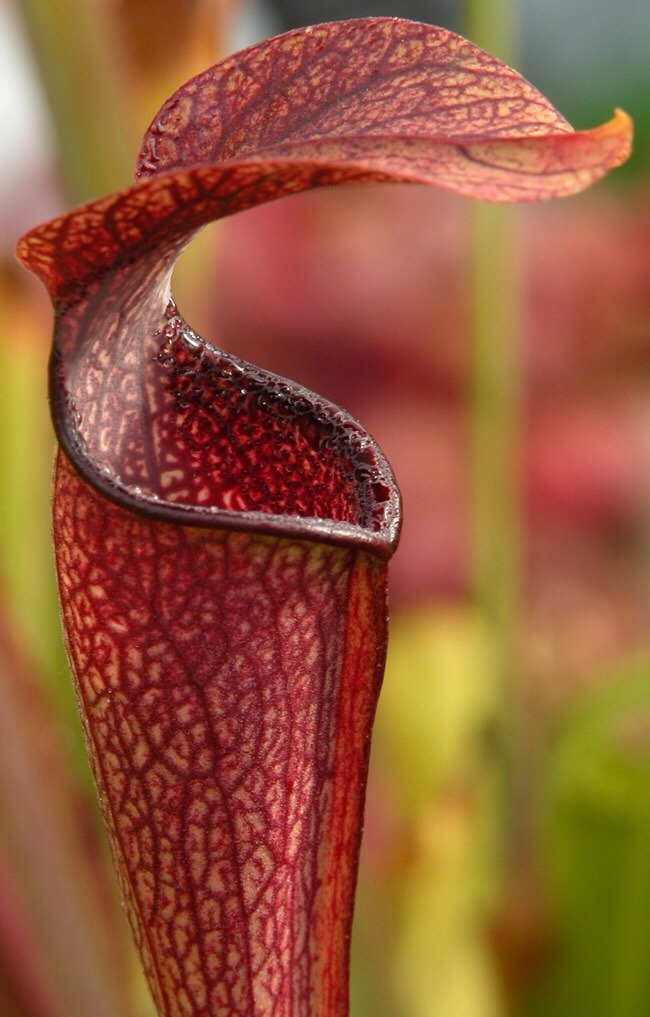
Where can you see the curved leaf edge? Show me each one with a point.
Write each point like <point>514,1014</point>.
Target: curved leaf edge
<point>378,534</point>
<point>68,257</point>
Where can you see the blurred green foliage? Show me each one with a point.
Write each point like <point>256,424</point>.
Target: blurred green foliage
<point>596,847</point>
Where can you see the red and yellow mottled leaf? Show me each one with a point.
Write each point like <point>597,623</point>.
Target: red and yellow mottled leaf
<point>344,103</point>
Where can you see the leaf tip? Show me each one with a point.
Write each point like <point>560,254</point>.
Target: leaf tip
<point>621,128</point>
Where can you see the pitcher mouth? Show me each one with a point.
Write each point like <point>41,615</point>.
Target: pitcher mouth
<point>256,452</point>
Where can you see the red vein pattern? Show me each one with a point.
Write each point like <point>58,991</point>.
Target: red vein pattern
<point>374,99</point>
<point>228,684</point>
<point>222,534</point>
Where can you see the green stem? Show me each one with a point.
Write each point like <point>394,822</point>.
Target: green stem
<point>76,55</point>
<point>496,356</point>
<point>496,426</point>
<point>494,25</point>
<point>495,309</point>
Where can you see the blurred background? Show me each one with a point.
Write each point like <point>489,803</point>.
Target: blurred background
<point>501,358</point>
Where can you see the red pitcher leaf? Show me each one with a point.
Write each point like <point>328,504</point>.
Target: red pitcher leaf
<point>228,683</point>
<point>221,533</point>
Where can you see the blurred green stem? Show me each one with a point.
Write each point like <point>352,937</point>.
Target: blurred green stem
<point>77,59</point>
<point>494,25</point>
<point>495,312</point>
<point>496,435</point>
<point>496,426</point>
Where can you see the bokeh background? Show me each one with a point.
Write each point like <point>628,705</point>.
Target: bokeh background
<point>506,859</point>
